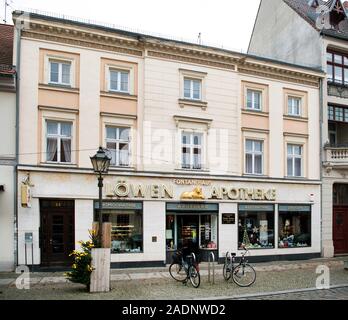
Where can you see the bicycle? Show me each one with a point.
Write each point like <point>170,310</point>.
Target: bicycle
<point>182,271</point>
<point>243,274</point>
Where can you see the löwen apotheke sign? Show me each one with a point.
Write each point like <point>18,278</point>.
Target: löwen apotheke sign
<point>123,189</point>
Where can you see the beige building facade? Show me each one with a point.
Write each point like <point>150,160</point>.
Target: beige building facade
<point>210,149</point>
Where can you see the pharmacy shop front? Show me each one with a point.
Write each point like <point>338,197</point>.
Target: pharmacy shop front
<point>152,216</point>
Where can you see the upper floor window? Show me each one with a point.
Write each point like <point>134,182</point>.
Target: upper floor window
<point>339,114</point>
<point>254,98</point>
<point>337,68</point>
<point>253,156</point>
<point>58,141</point>
<point>294,160</point>
<point>192,89</point>
<point>119,81</point>
<point>118,143</point>
<point>60,72</point>
<point>192,145</point>
<point>294,106</point>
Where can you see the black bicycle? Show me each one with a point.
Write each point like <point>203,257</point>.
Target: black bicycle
<point>185,268</point>
<point>243,274</point>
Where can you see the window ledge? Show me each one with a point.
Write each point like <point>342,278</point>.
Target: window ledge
<point>253,175</point>
<point>59,164</point>
<point>203,171</point>
<point>58,87</point>
<point>255,112</point>
<point>295,118</point>
<point>120,95</point>
<point>295,178</point>
<point>119,168</point>
<point>193,103</point>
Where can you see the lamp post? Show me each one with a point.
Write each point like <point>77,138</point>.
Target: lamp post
<point>100,162</point>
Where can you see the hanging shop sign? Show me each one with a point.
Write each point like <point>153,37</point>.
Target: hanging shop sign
<point>203,191</point>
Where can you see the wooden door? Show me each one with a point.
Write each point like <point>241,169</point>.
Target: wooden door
<point>340,229</point>
<point>57,232</point>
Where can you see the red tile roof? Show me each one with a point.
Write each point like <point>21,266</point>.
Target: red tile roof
<point>6,44</point>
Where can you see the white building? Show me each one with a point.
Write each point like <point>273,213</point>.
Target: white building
<point>210,148</point>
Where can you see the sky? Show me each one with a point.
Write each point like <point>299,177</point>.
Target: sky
<point>222,23</point>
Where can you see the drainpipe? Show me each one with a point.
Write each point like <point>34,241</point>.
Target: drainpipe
<point>18,62</point>
<point>321,101</point>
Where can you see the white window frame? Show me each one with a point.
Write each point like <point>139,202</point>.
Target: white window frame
<point>290,109</point>
<point>118,141</point>
<point>192,146</point>
<point>119,71</point>
<point>253,91</point>
<point>253,153</point>
<point>60,71</point>
<point>192,80</point>
<point>58,136</point>
<point>293,156</point>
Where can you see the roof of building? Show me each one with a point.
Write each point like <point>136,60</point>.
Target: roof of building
<point>142,36</point>
<point>309,10</point>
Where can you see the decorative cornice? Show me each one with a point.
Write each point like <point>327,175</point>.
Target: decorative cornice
<point>83,38</point>
<point>190,57</point>
<point>294,134</point>
<point>267,71</point>
<point>255,130</point>
<point>118,115</point>
<point>59,109</point>
<point>193,103</point>
<point>179,119</point>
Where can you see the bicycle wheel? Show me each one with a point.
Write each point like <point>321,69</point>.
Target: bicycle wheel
<point>244,275</point>
<point>194,276</point>
<point>177,271</point>
<point>226,271</point>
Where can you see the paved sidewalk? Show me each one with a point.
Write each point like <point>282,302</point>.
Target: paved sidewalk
<point>8,279</point>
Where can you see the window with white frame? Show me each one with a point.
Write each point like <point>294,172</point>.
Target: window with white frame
<point>253,156</point>
<point>254,98</point>
<point>294,160</point>
<point>58,141</point>
<point>60,72</point>
<point>118,144</point>
<point>294,106</point>
<point>192,89</point>
<point>119,80</point>
<point>192,150</point>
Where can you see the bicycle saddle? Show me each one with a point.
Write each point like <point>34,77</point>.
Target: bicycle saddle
<point>233,254</point>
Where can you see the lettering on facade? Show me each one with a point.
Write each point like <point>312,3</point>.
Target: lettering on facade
<point>123,189</point>
<point>192,182</point>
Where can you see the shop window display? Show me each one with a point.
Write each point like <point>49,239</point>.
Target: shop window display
<point>256,226</point>
<point>170,224</point>
<point>207,232</point>
<point>126,230</point>
<point>294,226</point>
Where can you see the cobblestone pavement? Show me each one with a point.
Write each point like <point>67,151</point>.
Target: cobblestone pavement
<point>158,285</point>
<point>331,294</point>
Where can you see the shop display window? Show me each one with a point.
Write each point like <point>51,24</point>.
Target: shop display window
<point>207,232</point>
<point>126,230</point>
<point>170,224</point>
<point>256,226</point>
<point>294,226</point>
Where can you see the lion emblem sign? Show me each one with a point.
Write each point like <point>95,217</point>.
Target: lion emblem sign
<point>196,194</point>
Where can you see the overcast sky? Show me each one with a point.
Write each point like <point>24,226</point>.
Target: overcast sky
<point>226,23</point>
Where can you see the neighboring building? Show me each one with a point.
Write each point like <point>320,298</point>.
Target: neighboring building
<point>209,147</point>
<point>7,149</point>
<point>293,31</point>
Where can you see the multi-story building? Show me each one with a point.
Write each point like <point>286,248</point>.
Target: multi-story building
<point>7,149</point>
<point>314,33</point>
<point>210,148</point>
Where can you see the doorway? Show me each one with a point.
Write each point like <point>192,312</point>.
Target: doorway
<point>340,218</point>
<point>188,233</point>
<point>57,233</point>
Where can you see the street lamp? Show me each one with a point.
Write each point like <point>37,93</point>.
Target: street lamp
<point>100,162</point>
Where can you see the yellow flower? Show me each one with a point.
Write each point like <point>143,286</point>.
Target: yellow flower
<point>74,266</point>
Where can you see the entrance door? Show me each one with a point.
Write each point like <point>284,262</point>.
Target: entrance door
<point>340,229</point>
<point>57,231</point>
<point>188,232</point>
